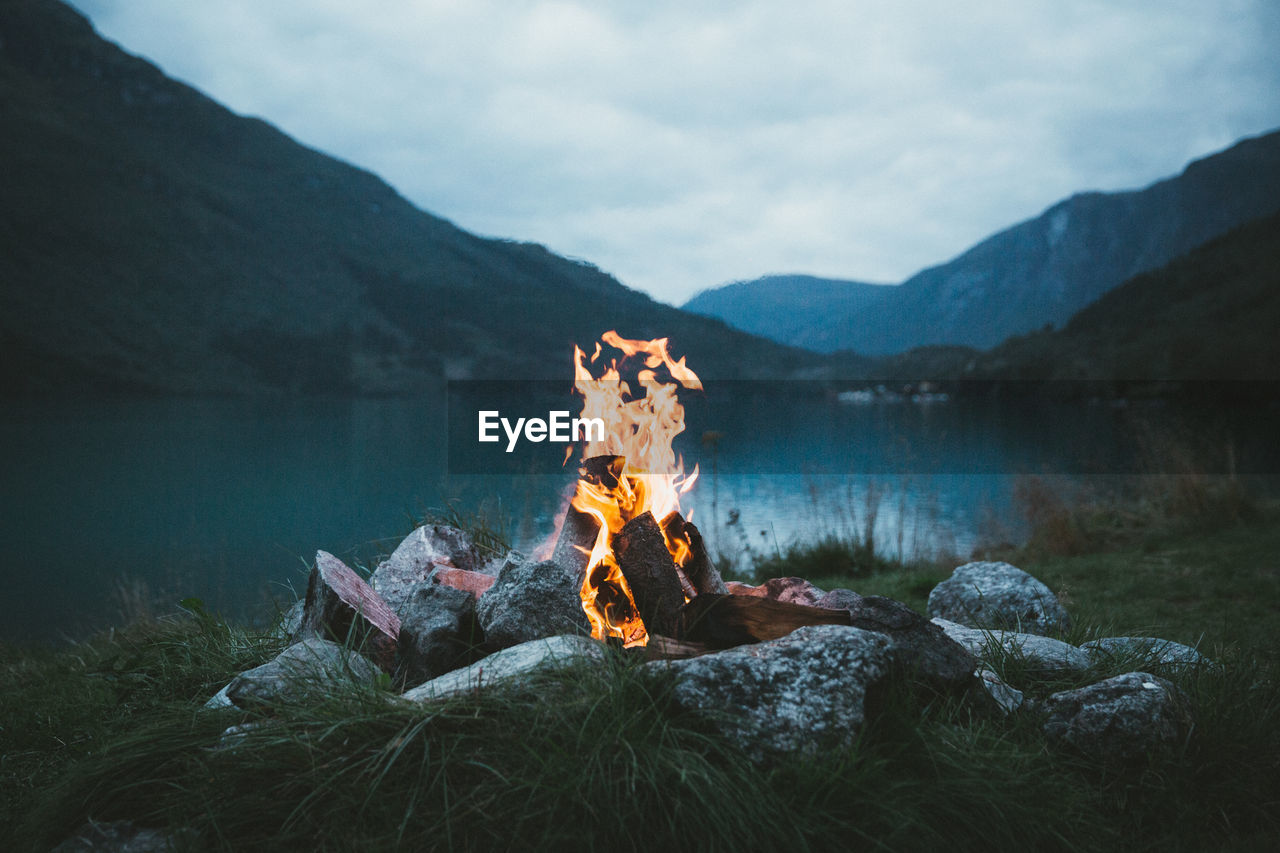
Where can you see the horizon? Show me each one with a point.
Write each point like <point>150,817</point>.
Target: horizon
<point>855,147</point>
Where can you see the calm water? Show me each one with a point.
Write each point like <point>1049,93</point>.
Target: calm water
<point>227,500</point>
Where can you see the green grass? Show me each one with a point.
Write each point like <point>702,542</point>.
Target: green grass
<point>598,757</point>
<point>1218,591</point>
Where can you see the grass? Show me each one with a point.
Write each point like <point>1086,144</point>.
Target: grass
<point>596,757</point>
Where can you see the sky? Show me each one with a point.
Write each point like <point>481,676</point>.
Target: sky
<point>682,145</point>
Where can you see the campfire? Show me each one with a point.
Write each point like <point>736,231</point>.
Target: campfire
<point>646,574</point>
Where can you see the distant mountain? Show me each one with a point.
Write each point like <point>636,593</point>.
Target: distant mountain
<point>1212,314</point>
<point>1043,270</point>
<point>791,309</point>
<point>152,240</point>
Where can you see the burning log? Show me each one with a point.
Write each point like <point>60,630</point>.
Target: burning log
<point>573,548</point>
<point>724,621</point>
<point>643,558</point>
<point>580,530</point>
<point>697,567</point>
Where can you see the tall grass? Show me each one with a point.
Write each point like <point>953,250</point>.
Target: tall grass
<point>850,535</point>
<point>1183,483</point>
<point>597,757</point>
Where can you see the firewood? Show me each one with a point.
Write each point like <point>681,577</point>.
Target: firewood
<point>602,470</point>
<point>724,621</point>
<point>577,538</point>
<point>579,531</point>
<point>341,606</point>
<point>666,648</point>
<point>646,563</point>
<point>699,569</point>
<point>476,583</point>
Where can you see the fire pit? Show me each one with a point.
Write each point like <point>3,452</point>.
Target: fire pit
<point>646,574</point>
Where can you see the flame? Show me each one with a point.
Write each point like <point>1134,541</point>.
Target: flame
<point>646,475</point>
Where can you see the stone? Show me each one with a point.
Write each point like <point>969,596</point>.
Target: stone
<point>1145,651</point>
<point>923,648</point>
<point>121,836</point>
<point>840,599</point>
<point>291,620</point>
<point>234,736</point>
<point>997,595</point>
<point>340,606</point>
<point>418,555</point>
<point>789,590</point>
<point>438,633</point>
<point>219,700</point>
<point>1044,654</point>
<point>1120,718</point>
<point>1006,698</point>
<point>530,601</point>
<point>797,695</point>
<point>509,665</point>
<point>301,670</point>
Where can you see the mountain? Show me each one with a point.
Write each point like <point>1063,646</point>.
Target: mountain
<point>1045,269</point>
<point>1210,315</point>
<point>792,309</point>
<point>152,240</point>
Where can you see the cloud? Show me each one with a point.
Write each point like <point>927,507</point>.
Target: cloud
<point>682,145</point>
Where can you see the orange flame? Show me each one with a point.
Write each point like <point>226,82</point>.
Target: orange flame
<point>647,476</point>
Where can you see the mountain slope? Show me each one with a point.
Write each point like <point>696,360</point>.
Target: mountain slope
<point>1209,315</point>
<point>151,239</point>
<point>1043,270</point>
<point>791,309</point>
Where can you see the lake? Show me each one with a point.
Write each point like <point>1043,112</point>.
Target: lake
<point>108,502</point>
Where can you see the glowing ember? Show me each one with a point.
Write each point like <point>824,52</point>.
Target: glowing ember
<point>645,476</point>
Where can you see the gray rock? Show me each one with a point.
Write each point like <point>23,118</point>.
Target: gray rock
<point>303,669</point>
<point>922,647</point>
<point>513,663</point>
<point>800,694</point>
<point>840,599</point>
<point>234,736</point>
<point>219,700</point>
<point>530,601</point>
<point>438,633</point>
<point>1006,698</point>
<point>1120,718</point>
<point>1149,651</point>
<point>1044,654</point>
<point>118,836</point>
<point>417,555</point>
<point>997,595</point>
<point>291,620</point>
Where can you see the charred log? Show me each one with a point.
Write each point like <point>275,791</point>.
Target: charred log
<point>666,648</point>
<point>577,538</point>
<point>699,569</point>
<point>725,621</point>
<point>645,562</point>
<point>604,471</point>
<point>579,531</point>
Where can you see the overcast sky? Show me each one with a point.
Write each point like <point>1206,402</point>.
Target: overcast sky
<point>680,145</point>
